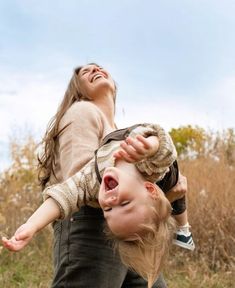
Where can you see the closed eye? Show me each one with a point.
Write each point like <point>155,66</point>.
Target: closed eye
<point>125,203</point>
<point>84,72</point>
<point>107,209</point>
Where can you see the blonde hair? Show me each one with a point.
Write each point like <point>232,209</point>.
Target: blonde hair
<point>147,254</point>
<point>46,161</point>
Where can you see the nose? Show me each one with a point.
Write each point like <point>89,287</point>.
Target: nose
<point>95,68</point>
<point>111,200</point>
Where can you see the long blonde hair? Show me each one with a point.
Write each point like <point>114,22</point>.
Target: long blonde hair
<point>46,160</point>
<point>147,254</point>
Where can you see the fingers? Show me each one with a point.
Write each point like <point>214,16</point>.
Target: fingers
<point>182,184</point>
<point>179,190</point>
<point>11,244</point>
<point>124,156</point>
<point>18,241</point>
<point>144,141</point>
<point>132,149</point>
<point>21,238</point>
<point>4,241</point>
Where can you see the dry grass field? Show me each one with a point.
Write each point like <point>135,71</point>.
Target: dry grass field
<point>211,200</point>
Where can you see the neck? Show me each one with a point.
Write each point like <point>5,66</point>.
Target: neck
<point>106,105</point>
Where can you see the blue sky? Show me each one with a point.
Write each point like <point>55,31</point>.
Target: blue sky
<point>173,61</point>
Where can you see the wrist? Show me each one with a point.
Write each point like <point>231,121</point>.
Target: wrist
<point>34,227</point>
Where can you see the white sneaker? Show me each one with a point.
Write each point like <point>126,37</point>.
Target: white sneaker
<point>184,239</point>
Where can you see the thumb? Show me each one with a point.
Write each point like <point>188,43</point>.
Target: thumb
<point>21,233</point>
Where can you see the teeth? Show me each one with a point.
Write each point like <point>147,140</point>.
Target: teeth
<point>96,77</point>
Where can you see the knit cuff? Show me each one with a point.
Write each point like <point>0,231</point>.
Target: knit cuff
<point>62,195</point>
<point>155,167</point>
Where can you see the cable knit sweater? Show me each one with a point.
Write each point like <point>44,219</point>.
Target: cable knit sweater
<point>83,187</point>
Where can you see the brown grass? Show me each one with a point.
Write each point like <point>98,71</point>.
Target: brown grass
<point>211,200</point>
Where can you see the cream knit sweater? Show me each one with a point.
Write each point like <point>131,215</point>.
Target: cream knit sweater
<point>86,127</point>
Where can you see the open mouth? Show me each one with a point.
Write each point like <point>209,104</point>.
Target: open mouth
<point>97,76</point>
<point>110,183</point>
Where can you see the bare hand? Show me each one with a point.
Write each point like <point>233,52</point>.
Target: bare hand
<point>179,190</point>
<point>22,237</point>
<point>136,149</point>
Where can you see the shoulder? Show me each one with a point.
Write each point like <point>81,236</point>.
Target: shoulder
<point>83,107</point>
<point>82,111</point>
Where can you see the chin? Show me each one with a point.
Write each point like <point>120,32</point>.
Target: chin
<point>104,84</point>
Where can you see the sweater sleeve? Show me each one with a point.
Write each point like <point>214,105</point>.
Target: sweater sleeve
<point>82,188</point>
<point>155,167</point>
<point>80,138</point>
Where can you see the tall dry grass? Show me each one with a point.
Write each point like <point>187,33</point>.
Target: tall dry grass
<point>210,170</point>
<point>20,195</point>
<point>211,199</point>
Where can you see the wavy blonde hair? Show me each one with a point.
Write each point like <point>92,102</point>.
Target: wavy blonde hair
<point>46,161</point>
<point>147,254</point>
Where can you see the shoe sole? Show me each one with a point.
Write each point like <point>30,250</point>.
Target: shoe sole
<point>182,245</point>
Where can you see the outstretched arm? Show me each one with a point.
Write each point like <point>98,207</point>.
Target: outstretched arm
<point>45,214</point>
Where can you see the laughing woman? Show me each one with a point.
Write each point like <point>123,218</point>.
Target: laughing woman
<point>83,257</point>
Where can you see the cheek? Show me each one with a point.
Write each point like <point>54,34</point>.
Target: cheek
<point>114,90</point>
<point>84,86</point>
<point>112,227</point>
<point>100,200</point>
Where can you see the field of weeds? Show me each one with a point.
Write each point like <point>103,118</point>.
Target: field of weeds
<point>211,199</point>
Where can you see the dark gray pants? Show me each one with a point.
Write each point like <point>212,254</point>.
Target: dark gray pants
<point>83,258</point>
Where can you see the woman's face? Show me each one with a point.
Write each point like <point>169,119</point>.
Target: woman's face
<point>95,81</point>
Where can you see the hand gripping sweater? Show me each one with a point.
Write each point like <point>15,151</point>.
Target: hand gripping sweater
<point>83,187</point>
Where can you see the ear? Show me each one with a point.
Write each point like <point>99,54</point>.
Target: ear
<point>152,190</point>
